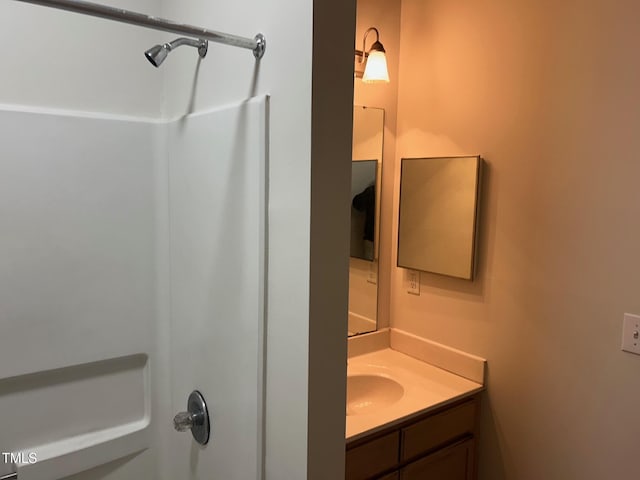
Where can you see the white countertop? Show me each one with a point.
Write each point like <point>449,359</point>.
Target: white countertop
<point>425,388</point>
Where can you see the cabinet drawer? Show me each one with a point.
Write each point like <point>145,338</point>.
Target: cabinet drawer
<point>437,430</point>
<point>451,463</point>
<point>374,457</point>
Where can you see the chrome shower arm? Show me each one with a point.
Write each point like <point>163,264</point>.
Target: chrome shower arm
<point>184,41</point>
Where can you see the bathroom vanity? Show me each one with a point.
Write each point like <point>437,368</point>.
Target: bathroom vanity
<point>439,445</point>
<point>409,420</point>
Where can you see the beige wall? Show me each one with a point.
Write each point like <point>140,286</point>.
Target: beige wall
<point>548,93</point>
<point>385,16</point>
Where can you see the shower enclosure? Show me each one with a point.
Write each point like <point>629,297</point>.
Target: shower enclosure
<point>132,280</point>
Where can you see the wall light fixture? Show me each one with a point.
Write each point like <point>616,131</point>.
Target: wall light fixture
<point>371,65</point>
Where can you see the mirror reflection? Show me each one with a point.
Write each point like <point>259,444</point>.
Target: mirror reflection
<point>438,215</point>
<point>363,208</point>
<point>368,129</point>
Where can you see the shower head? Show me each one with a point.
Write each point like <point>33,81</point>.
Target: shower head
<point>158,53</point>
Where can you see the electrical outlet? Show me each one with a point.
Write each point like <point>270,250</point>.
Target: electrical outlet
<point>631,333</point>
<point>413,282</point>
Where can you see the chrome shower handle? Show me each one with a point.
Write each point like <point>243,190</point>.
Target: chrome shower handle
<point>196,418</point>
<point>184,421</point>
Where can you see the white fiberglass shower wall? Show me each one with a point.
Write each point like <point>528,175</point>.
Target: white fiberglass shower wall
<point>81,180</point>
<point>127,240</point>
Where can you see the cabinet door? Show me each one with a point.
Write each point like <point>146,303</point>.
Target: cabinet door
<point>438,430</point>
<point>372,458</point>
<point>452,463</point>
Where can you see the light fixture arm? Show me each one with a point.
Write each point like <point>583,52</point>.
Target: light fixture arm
<point>364,42</point>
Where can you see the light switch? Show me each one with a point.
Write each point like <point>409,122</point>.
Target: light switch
<point>413,282</point>
<point>631,333</point>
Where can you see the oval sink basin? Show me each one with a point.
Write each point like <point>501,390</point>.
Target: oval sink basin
<point>367,393</point>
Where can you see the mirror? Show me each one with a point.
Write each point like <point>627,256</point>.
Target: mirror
<point>363,208</point>
<point>438,215</point>
<point>366,168</point>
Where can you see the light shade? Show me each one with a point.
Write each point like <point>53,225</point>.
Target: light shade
<point>376,69</point>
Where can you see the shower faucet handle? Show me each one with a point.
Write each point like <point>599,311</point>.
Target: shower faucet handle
<point>184,421</point>
<point>196,418</point>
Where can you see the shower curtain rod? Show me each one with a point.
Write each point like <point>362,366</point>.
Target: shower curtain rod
<point>256,44</point>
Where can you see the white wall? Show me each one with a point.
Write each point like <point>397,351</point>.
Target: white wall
<point>65,60</point>
<point>547,93</point>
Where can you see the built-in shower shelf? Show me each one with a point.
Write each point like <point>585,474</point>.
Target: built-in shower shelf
<point>72,455</point>
<point>70,419</point>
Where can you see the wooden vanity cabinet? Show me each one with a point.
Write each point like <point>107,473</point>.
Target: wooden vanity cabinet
<point>455,462</point>
<point>439,445</point>
<point>373,457</point>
